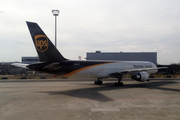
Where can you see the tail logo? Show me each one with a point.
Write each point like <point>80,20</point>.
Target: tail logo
<point>41,42</point>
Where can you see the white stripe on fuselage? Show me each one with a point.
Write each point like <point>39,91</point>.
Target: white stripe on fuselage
<point>105,69</point>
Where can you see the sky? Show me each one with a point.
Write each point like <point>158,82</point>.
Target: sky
<point>93,25</point>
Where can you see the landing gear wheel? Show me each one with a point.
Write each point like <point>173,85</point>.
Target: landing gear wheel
<point>95,82</point>
<point>118,84</point>
<point>98,82</point>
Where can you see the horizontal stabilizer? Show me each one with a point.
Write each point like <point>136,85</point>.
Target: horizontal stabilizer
<point>21,65</point>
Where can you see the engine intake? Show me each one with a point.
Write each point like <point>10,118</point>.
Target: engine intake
<point>141,76</point>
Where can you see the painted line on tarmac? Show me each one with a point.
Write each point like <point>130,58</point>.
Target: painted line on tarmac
<point>104,109</point>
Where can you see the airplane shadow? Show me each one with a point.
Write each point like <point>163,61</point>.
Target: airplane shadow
<point>93,93</point>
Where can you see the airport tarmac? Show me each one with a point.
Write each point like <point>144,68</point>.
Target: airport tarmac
<point>64,99</point>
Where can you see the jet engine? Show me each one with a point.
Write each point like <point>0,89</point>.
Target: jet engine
<point>141,76</point>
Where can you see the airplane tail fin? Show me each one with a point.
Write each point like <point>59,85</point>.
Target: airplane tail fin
<point>46,50</point>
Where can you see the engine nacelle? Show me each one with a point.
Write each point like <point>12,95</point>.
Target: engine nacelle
<point>141,76</point>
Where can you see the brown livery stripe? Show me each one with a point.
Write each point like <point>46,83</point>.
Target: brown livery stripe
<point>73,72</point>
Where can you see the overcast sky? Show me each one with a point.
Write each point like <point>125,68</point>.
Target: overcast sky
<point>93,25</point>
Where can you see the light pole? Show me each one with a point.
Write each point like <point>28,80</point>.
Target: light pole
<point>55,13</point>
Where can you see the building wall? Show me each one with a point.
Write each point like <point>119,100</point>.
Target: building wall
<point>123,56</point>
<point>29,60</point>
<point>7,69</point>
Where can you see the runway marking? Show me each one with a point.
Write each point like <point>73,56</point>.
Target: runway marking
<point>104,109</point>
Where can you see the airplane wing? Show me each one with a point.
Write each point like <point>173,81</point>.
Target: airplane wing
<point>134,71</point>
<point>22,65</point>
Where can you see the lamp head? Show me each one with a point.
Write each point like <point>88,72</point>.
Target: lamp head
<point>55,12</point>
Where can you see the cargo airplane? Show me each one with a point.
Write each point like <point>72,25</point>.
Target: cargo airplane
<point>52,61</point>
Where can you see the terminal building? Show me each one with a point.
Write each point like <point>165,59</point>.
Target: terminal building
<point>120,56</point>
<point>7,69</point>
<point>29,60</point>
<point>123,56</point>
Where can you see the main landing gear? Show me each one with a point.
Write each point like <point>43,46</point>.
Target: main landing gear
<point>119,83</point>
<point>98,81</point>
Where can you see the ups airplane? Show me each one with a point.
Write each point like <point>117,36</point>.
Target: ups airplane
<point>52,61</point>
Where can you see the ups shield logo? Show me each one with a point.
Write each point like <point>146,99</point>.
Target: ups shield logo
<point>41,43</point>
